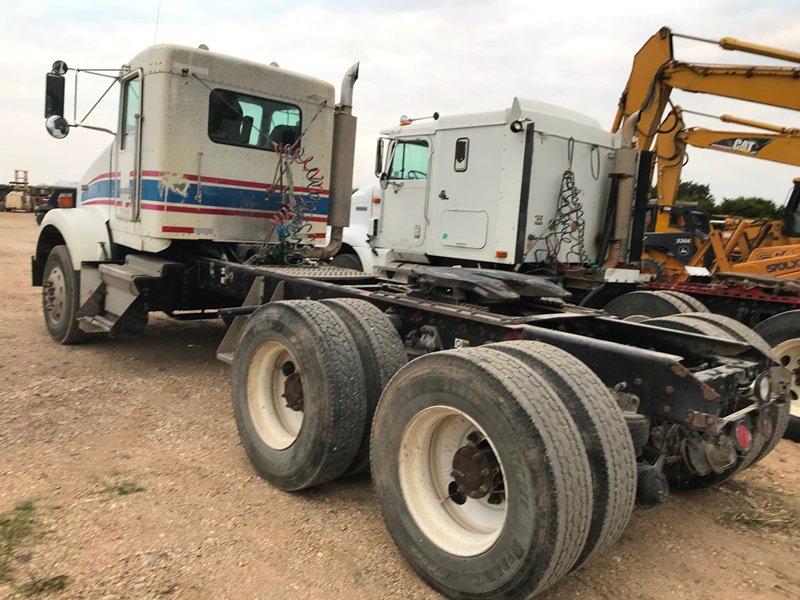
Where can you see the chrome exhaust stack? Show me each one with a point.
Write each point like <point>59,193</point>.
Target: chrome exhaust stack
<point>344,147</point>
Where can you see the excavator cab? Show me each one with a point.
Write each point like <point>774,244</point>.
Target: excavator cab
<point>791,213</point>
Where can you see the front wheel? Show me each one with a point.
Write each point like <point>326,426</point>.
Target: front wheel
<point>60,297</point>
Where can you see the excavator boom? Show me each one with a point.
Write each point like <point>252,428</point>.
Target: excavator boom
<point>655,73</point>
<point>674,138</point>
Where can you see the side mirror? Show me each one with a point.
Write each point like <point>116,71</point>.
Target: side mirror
<point>54,95</point>
<point>57,126</point>
<point>379,158</point>
<point>383,181</point>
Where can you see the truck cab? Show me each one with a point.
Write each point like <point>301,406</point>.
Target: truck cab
<point>199,162</point>
<point>480,189</point>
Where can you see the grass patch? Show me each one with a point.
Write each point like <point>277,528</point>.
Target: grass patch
<point>760,507</point>
<point>114,485</point>
<point>17,528</point>
<point>43,585</point>
<point>127,487</point>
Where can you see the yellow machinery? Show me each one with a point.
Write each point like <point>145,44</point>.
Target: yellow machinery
<point>656,73</point>
<point>747,246</point>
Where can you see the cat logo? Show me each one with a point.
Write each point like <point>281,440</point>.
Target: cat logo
<point>750,145</point>
<point>744,146</point>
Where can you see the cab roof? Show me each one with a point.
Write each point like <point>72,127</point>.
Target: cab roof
<point>215,68</point>
<point>521,108</point>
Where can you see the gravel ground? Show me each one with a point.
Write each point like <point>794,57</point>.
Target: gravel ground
<point>121,476</point>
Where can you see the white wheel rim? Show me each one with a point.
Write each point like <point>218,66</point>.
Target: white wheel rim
<point>788,354</point>
<point>276,424</point>
<point>55,296</point>
<point>428,446</point>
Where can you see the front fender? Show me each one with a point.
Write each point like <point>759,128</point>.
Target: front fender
<point>82,230</point>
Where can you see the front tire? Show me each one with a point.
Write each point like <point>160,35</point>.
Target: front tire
<point>61,297</point>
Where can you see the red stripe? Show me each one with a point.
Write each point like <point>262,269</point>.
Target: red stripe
<point>242,183</point>
<point>174,229</point>
<point>220,211</point>
<point>98,202</point>
<point>103,176</point>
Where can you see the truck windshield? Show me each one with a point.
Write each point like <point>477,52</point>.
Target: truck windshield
<point>410,160</point>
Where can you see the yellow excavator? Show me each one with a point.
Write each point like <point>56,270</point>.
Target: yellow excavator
<point>656,72</point>
<point>770,304</point>
<point>680,237</point>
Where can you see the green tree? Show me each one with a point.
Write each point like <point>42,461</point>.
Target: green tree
<point>699,194</point>
<point>751,206</point>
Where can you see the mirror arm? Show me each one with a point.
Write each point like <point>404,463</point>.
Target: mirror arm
<point>114,133</point>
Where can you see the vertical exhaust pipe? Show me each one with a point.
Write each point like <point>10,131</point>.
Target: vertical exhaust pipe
<point>344,147</point>
<point>625,161</point>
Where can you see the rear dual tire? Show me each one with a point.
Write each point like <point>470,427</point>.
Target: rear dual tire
<point>298,394</point>
<point>552,480</point>
<point>306,378</point>
<point>782,332</point>
<point>774,425</point>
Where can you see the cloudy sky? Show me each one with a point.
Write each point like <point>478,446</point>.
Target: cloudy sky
<point>416,57</point>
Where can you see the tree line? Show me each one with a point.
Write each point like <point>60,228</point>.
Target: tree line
<point>742,206</point>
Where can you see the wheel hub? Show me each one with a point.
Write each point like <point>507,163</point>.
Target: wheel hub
<point>53,295</point>
<point>293,391</point>
<point>475,471</point>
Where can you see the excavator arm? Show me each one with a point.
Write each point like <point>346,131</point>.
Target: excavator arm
<point>782,146</point>
<point>655,73</point>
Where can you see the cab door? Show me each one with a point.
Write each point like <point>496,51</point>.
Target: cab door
<point>404,202</point>
<point>128,181</point>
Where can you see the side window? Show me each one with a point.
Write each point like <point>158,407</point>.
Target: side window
<point>244,120</point>
<point>410,160</point>
<point>131,106</point>
<point>462,155</point>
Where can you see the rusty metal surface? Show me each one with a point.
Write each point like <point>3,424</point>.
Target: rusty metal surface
<point>293,392</point>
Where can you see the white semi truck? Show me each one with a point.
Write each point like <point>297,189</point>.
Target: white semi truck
<point>480,189</point>
<point>508,432</point>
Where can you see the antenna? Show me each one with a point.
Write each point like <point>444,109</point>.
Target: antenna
<point>158,16</point>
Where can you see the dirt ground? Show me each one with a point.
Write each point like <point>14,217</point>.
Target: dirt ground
<point>121,476</point>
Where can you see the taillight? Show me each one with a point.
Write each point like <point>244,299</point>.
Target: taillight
<point>744,437</point>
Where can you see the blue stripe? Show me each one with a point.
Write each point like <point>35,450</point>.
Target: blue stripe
<point>213,195</point>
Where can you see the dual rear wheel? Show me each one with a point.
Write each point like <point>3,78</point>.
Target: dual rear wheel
<point>779,335</point>
<point>498,468</point>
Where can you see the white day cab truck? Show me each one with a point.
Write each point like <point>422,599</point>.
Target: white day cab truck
<point>508,432</point>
